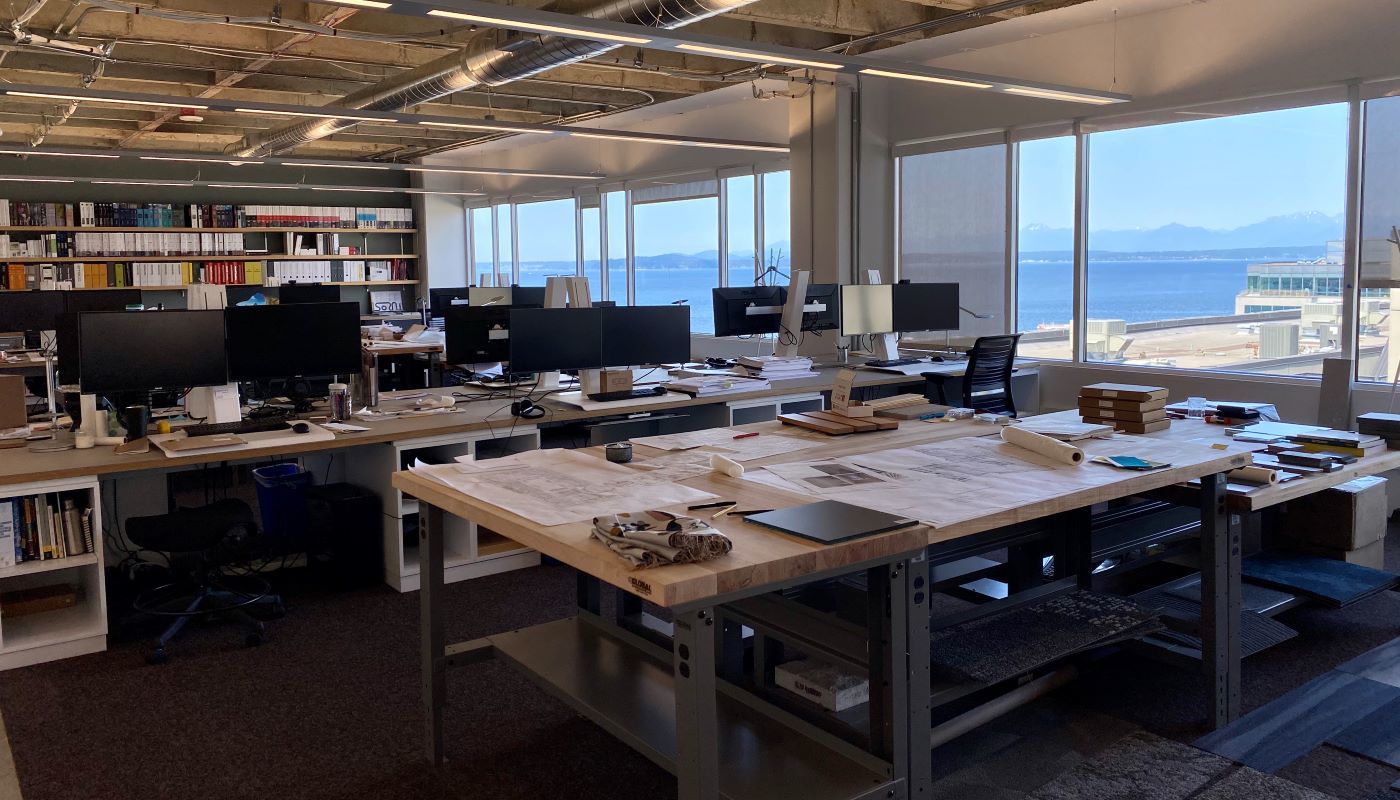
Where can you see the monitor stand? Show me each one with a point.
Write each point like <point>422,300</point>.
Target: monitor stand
<point>886,344</point>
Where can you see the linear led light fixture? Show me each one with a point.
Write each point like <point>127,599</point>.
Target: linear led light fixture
<point>910,76</point>
<point>363,3</point>
<point>329,113</point>
<point>337,166</point>
<point>485,126</point>
<point>642,137</point>
<point>1053,94</point>
<point>38,180</point>
<point>506,173</point>
<point>562,30</point>
<point>54,153</point>
<point>115,182</point>
<point>90,99</point>
<point>748,55</point>
<point>197,160</point>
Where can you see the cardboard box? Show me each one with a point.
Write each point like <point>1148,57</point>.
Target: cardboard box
<point>1372,555</point>
<point>616,380</point>
<point>1348,517</point>
<point>1124,391</point>
<point>12,411</point>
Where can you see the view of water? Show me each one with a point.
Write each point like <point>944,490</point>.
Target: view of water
<point>1135,291</point>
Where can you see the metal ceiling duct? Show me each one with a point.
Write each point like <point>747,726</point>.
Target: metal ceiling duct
<point>481,64</point>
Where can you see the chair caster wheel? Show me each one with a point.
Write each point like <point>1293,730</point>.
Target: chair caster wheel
<point>158,656</point>
<point>257,638</point>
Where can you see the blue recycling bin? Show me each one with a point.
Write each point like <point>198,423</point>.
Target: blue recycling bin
<point>282,501</point>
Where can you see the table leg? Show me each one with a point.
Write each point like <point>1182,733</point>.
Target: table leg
<point>1220,606</point>
<point>433,653</point>
<point>697,726</point>
<point>912,690</point>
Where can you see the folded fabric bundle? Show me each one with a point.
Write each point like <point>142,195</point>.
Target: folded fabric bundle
<point>652,538</point>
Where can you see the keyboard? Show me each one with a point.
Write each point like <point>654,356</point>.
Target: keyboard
<point>894,362</point>
<point>241,426</point>
<point>629,394</point>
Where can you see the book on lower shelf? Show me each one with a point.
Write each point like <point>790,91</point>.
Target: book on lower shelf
<point>824,684</point>
<point>45,527</point>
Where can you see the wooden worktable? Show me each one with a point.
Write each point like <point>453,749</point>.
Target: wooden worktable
<point>22,466</point>
<point>765,557</point>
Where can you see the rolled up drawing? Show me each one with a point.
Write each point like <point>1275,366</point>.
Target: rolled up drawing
<point>1054,449</point>
<point>728,466</point>
<point>1262,476</point>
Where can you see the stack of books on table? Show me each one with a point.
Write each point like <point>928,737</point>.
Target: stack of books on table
<point>776,368</point>
<point>1347,443</point>
<point>716,385</point>
<point>1127,407</point>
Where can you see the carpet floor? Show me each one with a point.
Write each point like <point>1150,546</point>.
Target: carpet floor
<point>328,709</point>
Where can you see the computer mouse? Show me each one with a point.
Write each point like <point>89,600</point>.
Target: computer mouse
<point>937,359</point>
<point>301,427</point>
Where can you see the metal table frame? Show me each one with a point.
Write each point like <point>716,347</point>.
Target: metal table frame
<point>902,624</point>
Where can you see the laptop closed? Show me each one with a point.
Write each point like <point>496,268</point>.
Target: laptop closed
<point>829,521</point>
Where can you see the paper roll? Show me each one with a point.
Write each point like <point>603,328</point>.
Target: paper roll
<point>1053,449</point>
<point>1254,474</point>
<point>728,466</point>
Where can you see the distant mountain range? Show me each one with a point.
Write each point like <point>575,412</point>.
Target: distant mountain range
<point>1305,229</point>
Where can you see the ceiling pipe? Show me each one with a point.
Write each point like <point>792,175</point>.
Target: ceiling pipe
<point>479,63</point>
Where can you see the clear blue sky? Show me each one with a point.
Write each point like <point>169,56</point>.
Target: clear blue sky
<point>1215,173</point>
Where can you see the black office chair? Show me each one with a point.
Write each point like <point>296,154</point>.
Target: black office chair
<point>199,542</point>
<point>986,385</point>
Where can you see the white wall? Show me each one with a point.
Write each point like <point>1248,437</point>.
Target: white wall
<point>442,240</point>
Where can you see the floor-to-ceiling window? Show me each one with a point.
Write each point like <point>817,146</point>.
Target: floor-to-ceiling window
<point>591,233</point>
<point>777,223</point>
<point>740,229</point>
<point>677,255</point>
<point>1378,330</point>
<point>615,204</point>
<point>952,229</point>
<point>1045,246</point>
<point>505,244</point>
<point>483,246</point>
<point>546,240</point>
<point>1208,242</point>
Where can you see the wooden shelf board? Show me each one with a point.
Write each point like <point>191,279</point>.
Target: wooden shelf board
<point>86,229</point>
<point>245,257</point>
<point>31,567</point>
<point>51,627</point>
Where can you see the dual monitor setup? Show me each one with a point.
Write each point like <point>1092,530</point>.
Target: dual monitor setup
<point>854,310</point>
<point>533,339</point>
<point>121,352</point>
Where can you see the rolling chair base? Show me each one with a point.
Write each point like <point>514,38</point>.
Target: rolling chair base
<point>205,602</point>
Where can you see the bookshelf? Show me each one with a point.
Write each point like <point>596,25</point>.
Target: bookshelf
<point>76,629</point>
<point>162,247</point>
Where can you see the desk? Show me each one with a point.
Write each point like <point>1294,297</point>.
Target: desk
<point>670,705</point>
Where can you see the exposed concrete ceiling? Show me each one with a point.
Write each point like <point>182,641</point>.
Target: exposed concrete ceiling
<point>313,53</point>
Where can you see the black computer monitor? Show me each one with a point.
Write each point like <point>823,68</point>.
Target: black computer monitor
<point>549,339</point>
<point>67,348</point>
<point>527,296</point>
<point>440,299</point>
<point>30,311</point>
<point>124,351</point>
<point>731,305</point>
<point>303,340</point>
<point>829,318</point>
<point>644,335</point>
<point>77,302</point>
<point>477,334</point>
<point>925,307</point>
<point>308,293</point>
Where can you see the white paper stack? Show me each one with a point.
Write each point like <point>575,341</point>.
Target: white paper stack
<point>716,385</point>
<point>776,368</point>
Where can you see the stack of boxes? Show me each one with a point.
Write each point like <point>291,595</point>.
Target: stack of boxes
<point>1127,407</point>
<point>1346,522</point>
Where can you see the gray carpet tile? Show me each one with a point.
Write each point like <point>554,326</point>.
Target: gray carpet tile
<point>1274,735</point>
<point>1375,736</point>
<point>1244,782</point>
<point>1139,766</point>
<point>1341,774</point>
<point>1381,664</point>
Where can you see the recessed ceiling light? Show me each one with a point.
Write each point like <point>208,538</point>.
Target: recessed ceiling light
<point>1052,94</point>
<point>333,165</point>
<point>502,22</point>
<point>55,154</point>
<point>763,58</point>
<point>909,76</point>
<point>88,99</point>
<point>142,183</point>
<point>199,160</point>
<point>330,112</point>
<point>624,137</point>
<point>477,126</point>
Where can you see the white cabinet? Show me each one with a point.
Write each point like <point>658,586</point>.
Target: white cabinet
<point>469,550</point>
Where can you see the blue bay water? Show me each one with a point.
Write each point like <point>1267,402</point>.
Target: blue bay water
<point>1135,291</point>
